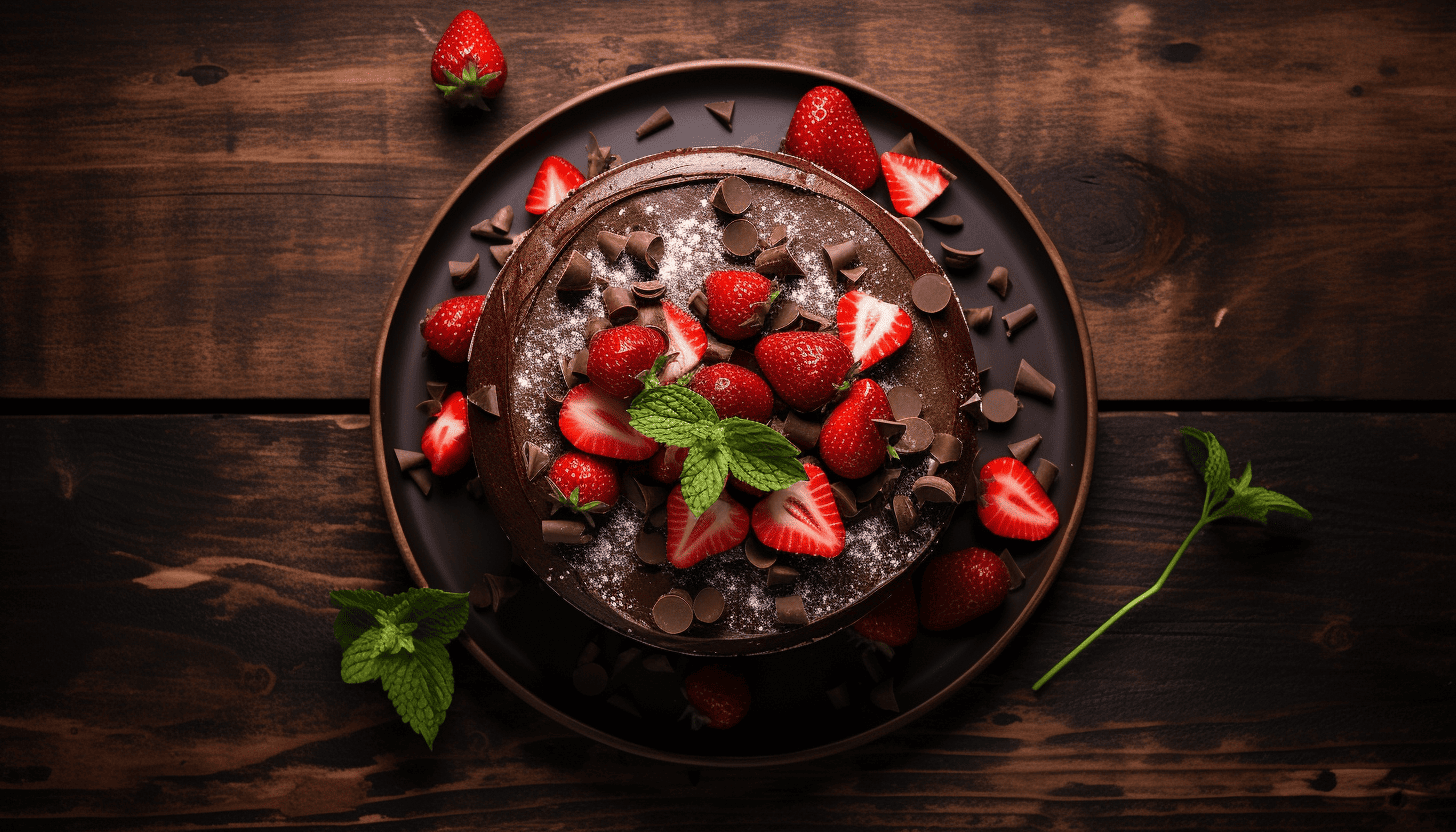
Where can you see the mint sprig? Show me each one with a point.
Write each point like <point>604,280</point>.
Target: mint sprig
<point>756,454</point>
<point>400,640</point>
<point>1243,500</point>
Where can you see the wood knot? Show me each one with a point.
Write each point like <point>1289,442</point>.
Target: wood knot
<point>1337,635</point>
<point>257,679</point>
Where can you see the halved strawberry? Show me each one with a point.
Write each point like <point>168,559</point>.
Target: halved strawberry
<point>1011,503</point>
<point>802,518</point>
<point>849,443</point>
<point>554,180</point>
<point>735,391</point>
<point>446,441</point>
<point>666,464</point>
<point>913,182</point>
<point>598,423</point>
<point>617,356</point>
<point>870,327</point>
<point>896,620</point>
<point>804,368</point>
<point>826,130</point>
<point>690,539</point>
<point>685,336</point>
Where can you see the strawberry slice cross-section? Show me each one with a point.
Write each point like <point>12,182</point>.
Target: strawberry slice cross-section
<point>554,180</point>
<point>690,539</point>
<point>801,519</point>
<point>1011,503</point>
<point>913,183</point>
<point>685,338</point>
<point>870,327</point>
<point>599,424</point>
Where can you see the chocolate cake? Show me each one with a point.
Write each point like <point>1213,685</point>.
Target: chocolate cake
<point>535,322</point>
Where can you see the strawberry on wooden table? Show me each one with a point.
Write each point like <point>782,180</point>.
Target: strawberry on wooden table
<point>957,587</point>
<point>554,180</point>
<point>738,303</point>
<point>690,539</point>
<point>1011,503</point>
<point>446,440</point>
<point>450,324</point>
<point>734,391</point>
<point>801,519</point>
<point>720,698</point>
<point>826,130</point>
<point>584,482</point>
<point>617,356</point>
<point>686,340</point>
<point>870,327</point>
<point>468,66</point>
<point>849,442</point>
<point>896,620</point>
<point>597,423</point>
<point>914,183</point>
<point>804,368</point>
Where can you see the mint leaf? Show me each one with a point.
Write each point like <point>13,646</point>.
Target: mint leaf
<point>1211,461</point>
<point>360,659</point>
<point>1254,503</point>
<point>654,373</point>
<point>421,685</point>
<point>760,456</point>
<point>669,414</point>
<point>705,472</point>
<point>439,615</point>
<point>357,608</point>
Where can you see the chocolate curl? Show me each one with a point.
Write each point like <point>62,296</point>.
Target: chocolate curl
<point>914,228</point>
<point>646,247</point>
<point>571,532</point>
<point>598,159</point>
<point>841,255</point>
<point>757,316</point>
<point>578,274</point>
<point>1025,448</point>
<point>500,254</point>
<point>777,261</point>
<point>463,274</point>
<point>852,276</point>
<point>651,548</point>
<point>534,459</point>
<point>800,431</point>
<point>917,437</point>
<point>673,613</point>
<point>906,146</point>
<point>979,317</point>
<point>904,401</point>
<point>949,221</point>
<point>732,196</point>
<point>931,292</point>
<point>594,326</point>
<point>1000,406</point>
<point>654,122</point>
<point>569,375</point>
<point>740,237</point>
<point>958,259</point>
<point>485,398</point>
<point>1018,319</point>
<point>777,236</point>
<point>905,513</point>
<point>1018,578</point>
<point>1028,380</point>
<point>649,289</point>
<point>621,304</point>
<point>1046,474</point>
<point>999,281</point>
<point>785,316</point>
<point>612,245</point>
<point>708,605</point>
<point>409,460</point>
<point>722,111</point>
<point>698,303</point>
<point>493,590</point>
<point>931,489</point>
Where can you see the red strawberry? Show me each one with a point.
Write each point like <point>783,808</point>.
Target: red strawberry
<point>1011,503</point>
<point>913,182</point>
<point>598,424</point>
<point>804,368</point>
<point>685,336</point>
<point>450,324</point>
<point>849,443</point>
<point>802,518</point>
<point>870,327</point>
<point>690,539</point>
<point>737,303</point>
<point>744,488</point>
<point>554,180</point>
<point>734,391</point>
<point>446,441</point>
<point>719,697</point>
<point>666,464</point>
<point>959,586</point>
<point>616,356</point>
<point>588,483</point>
<point>896,620</point>
<point>468,66</point>
<point>827,131</point>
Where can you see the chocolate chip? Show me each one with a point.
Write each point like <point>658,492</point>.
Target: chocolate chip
<point>1018,319</point>
<point>906,146</point>
<point>959,260</point>
<point>946,448</point>
<point>673,613</point>
<point>844,499</point>
<point>657,518</point>
<point>722,111</point>
<point>621,305</point>
<point>578,274</point>
<point>789,609</point>
<point>475,488</point>
<point>1017,576</point>
<point>698,303</point>
<point>868,488</point>
<point>973,406</point>
<point>423,478</point>
<point>838,696</point>
<point>501,253</point>
<point>853,275</point>
<point>612,245</point>
<point>410,459</point>
<point>891,430</point>
<point>1025,448</point>
<point>931,293</point>
<point>733,196</point>
<point>758,554</point>
<point>493,590</point>
<point>777,236</point>
<point>654,122</point>
<point>599,159</point>
<point>1000,406</point>
<point>436,389</point>
<point>950,221</point>
<point>782,575</point>
<point>486,230</point>
<point>785,316</point>
<point>646,247</point>
<point>905,513</point>
<point>917,437</point>
<point>651,548</point>
<point>572,532</point>
<point>882,696</point>
<point>503,218</point>
<point>930,489</point>
<point>590,679</point>
<point>643,496</point>
<point>777,261</point>
<point>999,281</point>
<point>1046,474</point>
<point>1028,380</point>
<point>594,326</point>
<point>800,431</point>
<point>978,317</point>
<point>914,228</point>
<point>534,459</point>
<point>430,407</point>
<point>463,274</point>
<point>841,255</point>
<point>708,606</point>
<point>740,237</point>
<point>485,398</point>
<point>658,663</point>
<point>904,401</point>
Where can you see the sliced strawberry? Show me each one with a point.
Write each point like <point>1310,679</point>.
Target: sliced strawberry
<point>804,368</point>
<point>801,519</point>
<point>690,539</point>
<point>598,424</point>
<point>870,327</point>
<point>554,180</point>
<point>896,620</point>
<point>666,464</point>
<point>446,441</point>
<point>720,698</point>
<point>617,356</point>
<point>849,443</point>
<point>685,336</point>
<point>735,391</point>
<point>959,586</point>
<point>1011,503</point>
<point>450,325</point>
<point>826,130</point>
<point>913,182</point>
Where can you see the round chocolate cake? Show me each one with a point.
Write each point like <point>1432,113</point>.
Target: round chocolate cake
<point>645,235</point>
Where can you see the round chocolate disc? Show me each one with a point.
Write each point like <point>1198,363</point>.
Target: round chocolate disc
<point>708,606</point>
<point>740,237</point>
<point>673,613</point>
<point>917,436</point>
<point>931,292</point>
<point>651,548</point>
<point>758,554</point>
<point>904,401</point>
<point>590,679</point>
<point>999,406</point>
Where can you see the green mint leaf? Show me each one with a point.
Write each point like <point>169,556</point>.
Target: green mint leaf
<point>1255,503</point>
<point>1244,480</point>
<point>1212,462</point>
<point>357,610</point>
<point>760,456</point>
<point>654,374</point>
<point>669,414</point>
<point>420,684</point>
<point>434,614</point>
<point>705,472</point>
<point>361,659</point>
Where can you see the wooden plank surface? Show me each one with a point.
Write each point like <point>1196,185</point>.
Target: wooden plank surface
<point>1254,199</point>
<point>169,662</point>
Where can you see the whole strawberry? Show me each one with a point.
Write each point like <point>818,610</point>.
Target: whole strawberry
<point>666,464</point>
<point>804,368</point>
<point>450,324</point>
<point>959,586</point>
<point>584,482</point>
<point>896,620</point>
<point>734,391</point>
<point>616,356</point>
<point>720,697</point>
<point>849,443</point>
<point>468,66</point>
<point>446,441</point>
<point>738,303</point>
<point>826,130</point>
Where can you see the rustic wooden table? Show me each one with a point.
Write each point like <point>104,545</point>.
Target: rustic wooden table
<point>204,209</point>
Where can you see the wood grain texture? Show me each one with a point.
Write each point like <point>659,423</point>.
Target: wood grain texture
<point>1254,202</point>
<point>169,662</point>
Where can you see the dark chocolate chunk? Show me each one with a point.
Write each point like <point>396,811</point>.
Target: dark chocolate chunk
<point>782,575</point>
<point>914,227</point>
<point>410,459</point>
<point>648,289</point>
<point>844,499</point>
<point>789,609</point>
<point>1000,406</point>
<point>485,398</point>
<point>841,255</point>
<point>905,513</point>
<point>475,488</point>
<point>906,146</point>
<point>596,325</point>
<point>698,303</point>
<point>501,253</point>
<point>999,281</point>
<point>493,590</point>
<point>951,221</point>
<point>930,489</point>
<point>777,236</point>
<point>486,230</point>
<point>657,518</point>
<point>917,437</point>
<point>590,679</point>
<point>740,237</point>
<point>785,316</point>
<point>578,274</point>
<point>853,275</point>
<point>673,613</point>
<point>643,496</point>
<point>960,260</point>
<point>800,431</point>
<point>838,697</point>
<point>882,696</point>
<point>1046,474</point>
<point>946,448</point>
<point>777,261</point>
<point>904,401</point>
<point>655,122</point>
<point>708,606</point>
<point>651,548</point>
<point>612,245</point>
<point>722,111</point>
<point>1028,380</point>
<point>430,407</point>
<point>758,554</point>
<point>892,476</point>
<point>719,352</point>
<point>436,389</point>
<point>646,247</point>
<point>1025,448</point>
<point>732,196</point>
<point>621,305</point>
<point>423,478</point>
<point>599,159</point>
<point>572,532</point>
<point>931,292</point>
<point>534,459</point>
<point>978,317</point>
<point>1018,319</point>
<point>890,429</point>
<point>810,322</point>
<point>1017,576</point>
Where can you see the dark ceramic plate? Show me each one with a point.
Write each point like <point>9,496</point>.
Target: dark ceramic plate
<point>534,642</point>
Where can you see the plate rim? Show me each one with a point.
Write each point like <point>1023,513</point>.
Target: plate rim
<point>1073,521</point>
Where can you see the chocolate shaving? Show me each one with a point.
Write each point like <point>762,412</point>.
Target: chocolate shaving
<point>905,513</point>
<point>844,499</point>
<point>917,437</point>
<point>651,548</point>
<point>842,254</point>
<point>722,111</point>
<point>673,613</point>
<point>570,532</point>
<point>951,221</point>
<point>946,448</point>
<point>789,609</point>
<point>1017,576</point>
<point>904,401</point>
<point>493,590</point>
<point>931,292</point>
<point>1018,319</point>
<point>611,244</point>
<point>648,289</point>
<point>555,400</point>
<point>882,696</point>
<point>1000,406</point>
<point>740,237</point>
<point>534,459</point>
<point>906,146</point>
<point>732,196</point>
<point>595,325</point>
<point>815,323</point>
<point>1028,380</point>
<point>708,606</point>
<point>646,247</point>
<point>758,554</point>
<point>890,430</point>
<point>485,398</point>
<point>777,236</point>
<point>785,316</point>
<point>999,281</point>
<point>590,679</point>
<point>978,317</point>
<point>430,407</point>
<point>914,227</point>
<point>1025,448</point>
<point>777,261</point>
<point>410,459</point>
<point>960,260</point>
<point>800,431</point>
<point>853,275</point>
<point>781,575</point>
<point>463,274</point>
<point>621,305</point>
<point>654,122</point>
<point>599,159</point>
<point>698,303</point>
<point>1046,474</point>
<point>931,489</point>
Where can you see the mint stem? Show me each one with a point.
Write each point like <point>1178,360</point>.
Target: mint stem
<point>1202,521</point>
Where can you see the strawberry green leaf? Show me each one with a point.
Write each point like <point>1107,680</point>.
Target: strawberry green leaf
<point>1255,503</point>
<point>760,456</point>
<point>1212,462</point>
<point>421,685</point>
<point>670,413</point>
<point>705,472</point>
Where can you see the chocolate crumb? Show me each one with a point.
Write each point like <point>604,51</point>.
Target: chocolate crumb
<point>1028,380</point>
<point>651,548</point>
<point>782,575</point>
<point>905,401</point>
<point>571,532</point>
<point>906,146</point>
<point>1025,448</point>
<point>905,513</point>
<point>960,260</point>
<point>493,590</point>
<point>1000,406</point>
<point>646,247</point>
<point>882,696</point>
<point>485,398</point>
<point>999,281</point>
<point>758,554</point>
<point>841,255</point>
<point>590,679</point>
<point>946,448</point>
<point>430,407</point>
<point>1017,576</point>
<point>931,292</point>
<point>740,237</point>
<point>950,221</point>
<point>423,478</point>
<point>915,230</point>
<point>612,245</point>
<point>621,305</point>
<point>1018,319</point>
<point>789,609</point>
<point>979,317</point>
<point>917,437</point>
<point>708,606</point>
<point>673,613</point>
<point>1046,474</point>
<point>722,111</point>
<point>732,196</point>
<point>853,275</point>
<point>410,459</point>
<point>534,459</point>
<point>654,122</point>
